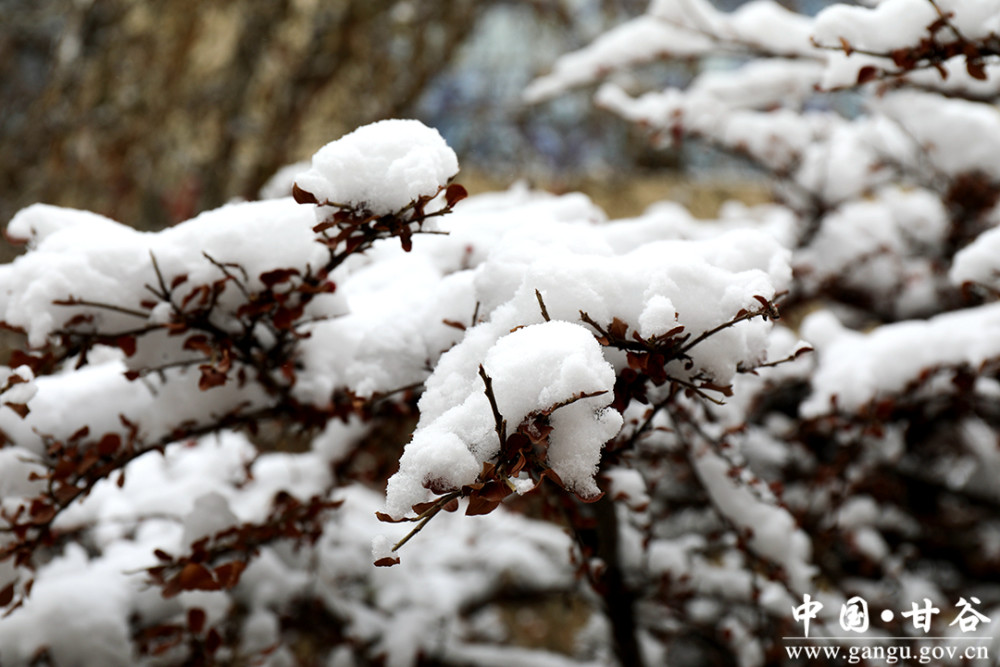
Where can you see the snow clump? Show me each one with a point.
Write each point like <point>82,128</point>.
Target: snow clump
<point>380,168</point>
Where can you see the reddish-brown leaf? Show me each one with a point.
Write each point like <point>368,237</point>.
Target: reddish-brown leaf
<point>617,328</point>
<point>284,318</point>
<point>20,408</point>
<point>867,73</point>
<point>976,69</point>
<point>196,577</point>
<point>454,194</point>
<point>7,594</point>
<point>210,377</point>
<point>213,641</point>
<point>41,512</point>
<point>277,276</point>
<point>303,197</point>
<point>387,561</point>
<point>196,620</point>
<point>109,444</point>
<point>228,574</point>
<point>479,505</point>
<point>178,281</point>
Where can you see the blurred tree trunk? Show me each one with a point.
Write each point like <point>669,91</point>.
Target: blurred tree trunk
<point>149,111</point>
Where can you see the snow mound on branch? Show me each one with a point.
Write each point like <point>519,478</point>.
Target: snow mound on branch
<point>773,531</point>
<point>380,167</point>
<point>855,368</point>
<point>897,25</point>
<point>656,287</point>
<point>673,29</point>
<point>957,136</point>
<point>979,262</point>
<point>533,370</point>
<point>85,256</point>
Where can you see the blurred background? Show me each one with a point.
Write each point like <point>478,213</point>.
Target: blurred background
<point>149,111</point>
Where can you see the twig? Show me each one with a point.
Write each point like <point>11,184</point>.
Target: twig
<point>97,304</point>
<point>426,516</point>
<point>763,311</point>
<point>541,304</point>
<point>500,422</point>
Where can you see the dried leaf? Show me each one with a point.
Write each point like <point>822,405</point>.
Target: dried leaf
<point>109,444</point>
<point>303,197</point>
<point>867,73</point>
<point>454,194</point>
<point>20,408</point>
<point>976,69</point>
<point>7,594</point>
<point>228,574</point>
<point>479,505</point>
<point>277,276</point>
<point>196,577</point>
<point>210,377</point>
<point>196,620</point>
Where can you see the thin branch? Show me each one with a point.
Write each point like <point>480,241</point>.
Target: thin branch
<point>541,305</point>
<point>763,311</point>
<point>426,516</point>
<point>105,306</point>
<point>225,271</point>
<point>500,422</point>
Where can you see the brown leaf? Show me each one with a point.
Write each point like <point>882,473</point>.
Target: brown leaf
<point>7,594</point>
<point>867,73</point>
<point>109,444</point>
<point>41,512</point>
<point>479,505</point>
<point>178,281</point>
<point>272,278</point>
<point>387,561</point>
<point>284,318</point>
<point>976,69</point>
<point>213,641</point>
<point>196,577</point>
<point>199,343</point>
<point>196,620</point>
<point>20,408</point>
<point>228,574</point>
<point>210,377</point>
<point>454,194</point>
<point>303,197</point>
<point>617,328</point>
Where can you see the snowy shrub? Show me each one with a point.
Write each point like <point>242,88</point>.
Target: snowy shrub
<point>377,422</point>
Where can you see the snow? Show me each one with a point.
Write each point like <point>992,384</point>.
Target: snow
<point>533,370</point>
<point>661,285</point>
<point>858,368</point>
<point>380,168</point>
<point>773,531</point>
<point>978,262</point>
<point>676,30</point>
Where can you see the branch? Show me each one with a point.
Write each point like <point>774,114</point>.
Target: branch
<point>499,422</point>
